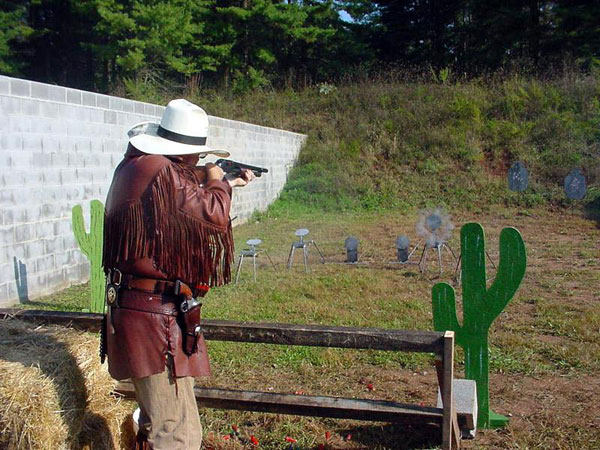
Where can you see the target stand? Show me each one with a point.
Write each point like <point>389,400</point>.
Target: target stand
<point>458,272</point>
<point>301,243</point>
<point>438,246</point>
<point>251,252</point>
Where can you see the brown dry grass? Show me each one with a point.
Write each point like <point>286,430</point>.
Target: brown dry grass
<point>54,392</point>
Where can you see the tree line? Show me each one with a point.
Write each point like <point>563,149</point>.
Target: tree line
<point>246,44</point>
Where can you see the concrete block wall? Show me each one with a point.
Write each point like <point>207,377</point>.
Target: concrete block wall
<point>60,146</point>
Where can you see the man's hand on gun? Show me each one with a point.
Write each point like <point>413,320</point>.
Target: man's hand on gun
<point>236,173</point>
<point>245,177</point>
<point>236,167</point>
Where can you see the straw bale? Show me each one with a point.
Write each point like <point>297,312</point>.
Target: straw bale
<point>55,394</point>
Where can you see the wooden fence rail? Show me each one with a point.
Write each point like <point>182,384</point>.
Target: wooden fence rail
<point>439,343</point>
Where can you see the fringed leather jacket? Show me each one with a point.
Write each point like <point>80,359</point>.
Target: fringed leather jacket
<point>162,222</point>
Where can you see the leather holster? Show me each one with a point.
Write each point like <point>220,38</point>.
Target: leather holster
<point>189,316</point>
<point>190,327</point>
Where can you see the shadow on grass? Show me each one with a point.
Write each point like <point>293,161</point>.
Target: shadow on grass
<point>21,280</point>
<point>74,298</point>
<point>408,270</point>
<point>394,436</point>
<point>42,305</point>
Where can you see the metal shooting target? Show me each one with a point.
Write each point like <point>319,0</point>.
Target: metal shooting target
<point>434,227</point>
<point>518,177</point>
<point>402,243</point>
<point>575,185</point>
<point>351,246</point>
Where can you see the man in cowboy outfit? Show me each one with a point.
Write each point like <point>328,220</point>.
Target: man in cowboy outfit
<point>167,240</point>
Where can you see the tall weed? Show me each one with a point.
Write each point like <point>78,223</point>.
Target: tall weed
<point>410,142</point>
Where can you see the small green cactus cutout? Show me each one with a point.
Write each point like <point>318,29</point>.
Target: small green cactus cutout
<point>91,246</point>
<point>481,306</point>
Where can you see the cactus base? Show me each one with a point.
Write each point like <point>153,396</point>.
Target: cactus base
<point>497,420</point>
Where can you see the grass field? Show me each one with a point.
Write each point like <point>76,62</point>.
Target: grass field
<point>377,151</point>
<point>544,347</point>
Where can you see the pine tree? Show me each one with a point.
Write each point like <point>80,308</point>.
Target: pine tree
<point>14,31</point>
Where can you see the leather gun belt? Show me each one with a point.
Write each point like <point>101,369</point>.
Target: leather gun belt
<point>151,303</point>
<point>150,285</point>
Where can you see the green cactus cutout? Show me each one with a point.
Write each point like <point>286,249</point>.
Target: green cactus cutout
<point>91,246</point>
<point>481,306</point>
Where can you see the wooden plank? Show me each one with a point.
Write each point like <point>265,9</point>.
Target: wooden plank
<point>82,321</point>
<point>325,336</point>
<point>450,430</point>
<point>270,333</point>
<point>308,405</point>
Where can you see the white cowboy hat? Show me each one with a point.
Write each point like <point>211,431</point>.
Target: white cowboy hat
<point>182,130</point>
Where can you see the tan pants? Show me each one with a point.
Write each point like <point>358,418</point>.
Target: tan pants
<point>169,414</point>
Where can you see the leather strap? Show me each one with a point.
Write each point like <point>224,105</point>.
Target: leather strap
<point>153,286</point>
<point>157,304</point>
<point>150,285</point>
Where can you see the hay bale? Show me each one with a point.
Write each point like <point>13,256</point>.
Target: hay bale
<point>54,394</point>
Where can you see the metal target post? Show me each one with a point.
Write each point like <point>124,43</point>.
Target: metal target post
<point>301,243</point>
<point>457,271</point>
<point>435,228</point>
<point>438,246</point>
<point>253,252</point>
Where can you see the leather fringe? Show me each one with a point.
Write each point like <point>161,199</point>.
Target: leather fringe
<point>182,246</point>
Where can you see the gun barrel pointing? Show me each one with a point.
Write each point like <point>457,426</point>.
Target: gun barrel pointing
<point>230,166</point>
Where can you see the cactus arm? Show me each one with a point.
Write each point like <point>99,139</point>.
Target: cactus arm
<point>444,308</point>
<point>83,239</point>
<point>472,241</point>
<point>511,270</point>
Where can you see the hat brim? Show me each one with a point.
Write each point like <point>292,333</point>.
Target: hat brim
<point>149,142</point>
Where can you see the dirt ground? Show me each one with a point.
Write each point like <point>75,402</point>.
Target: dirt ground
<point>544,346</point>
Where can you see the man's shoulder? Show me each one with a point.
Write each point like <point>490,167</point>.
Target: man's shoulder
<point>157,161</point>
<point>144,166</point>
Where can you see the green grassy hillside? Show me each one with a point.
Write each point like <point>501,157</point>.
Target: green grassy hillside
<point>384,144</point>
